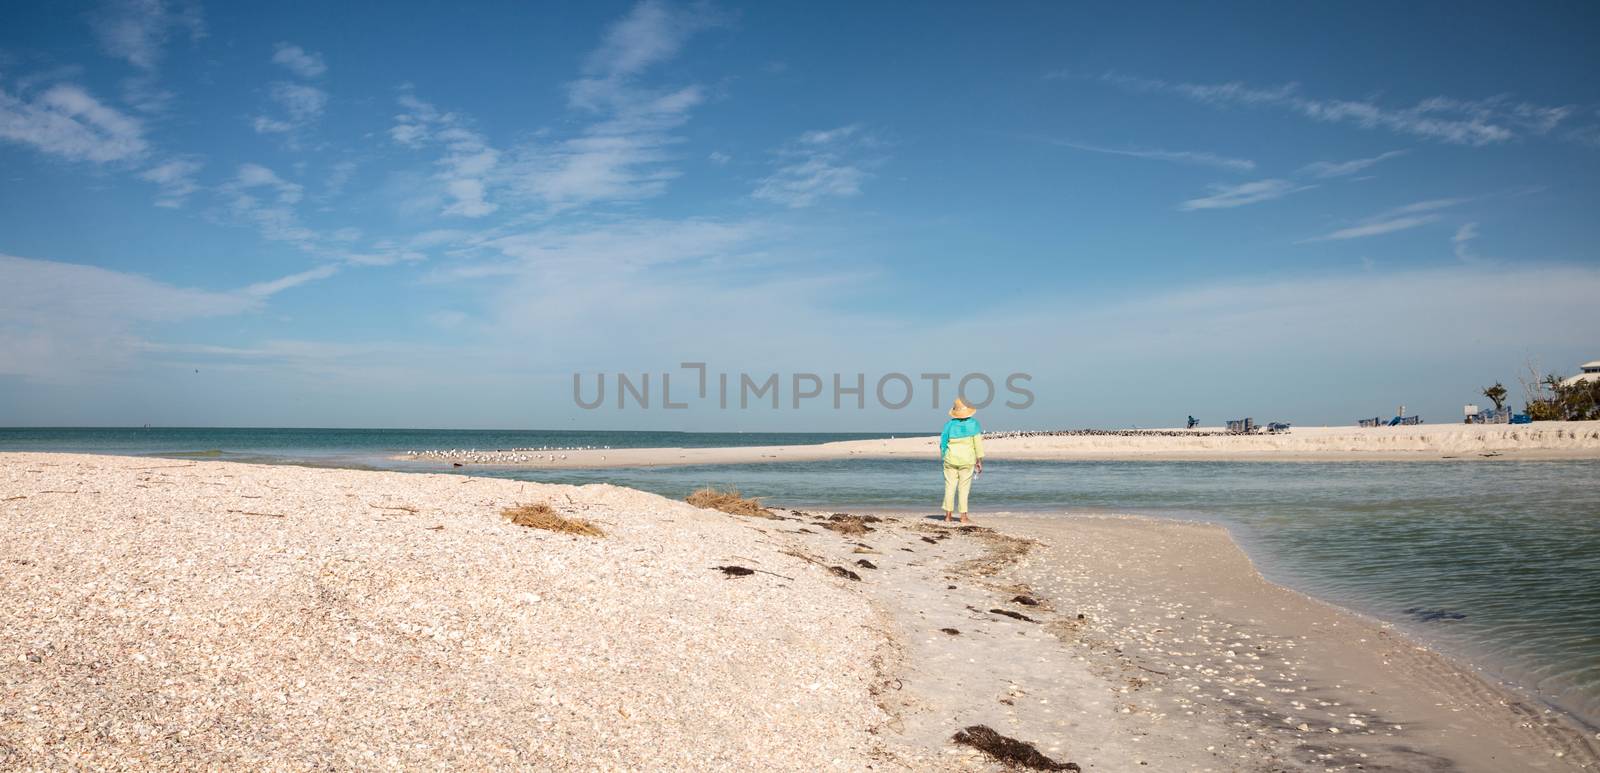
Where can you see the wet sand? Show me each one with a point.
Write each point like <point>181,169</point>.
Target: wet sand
<point>1426,442</point>
<point>1184,658</point>
<point>210,614</point>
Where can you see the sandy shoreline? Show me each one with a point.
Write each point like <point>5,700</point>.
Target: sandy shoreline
<point>214,614</point>
<point>1427,442</point>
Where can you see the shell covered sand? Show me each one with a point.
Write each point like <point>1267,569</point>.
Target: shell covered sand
<point>210,615</point>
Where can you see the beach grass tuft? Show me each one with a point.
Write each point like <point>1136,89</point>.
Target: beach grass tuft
<point>542,516</point>
<point>728,501</point>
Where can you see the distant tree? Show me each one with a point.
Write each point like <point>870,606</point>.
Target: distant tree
<point>1497,393</point>
<point>1553,401</point>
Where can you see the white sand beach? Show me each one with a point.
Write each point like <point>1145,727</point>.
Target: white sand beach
<point>175,614</point>
<point>1542,440</point>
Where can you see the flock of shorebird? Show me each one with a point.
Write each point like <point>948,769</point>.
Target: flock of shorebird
<point>1102,432</point>
<point>503,455</point>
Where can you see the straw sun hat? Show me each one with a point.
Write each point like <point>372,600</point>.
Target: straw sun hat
<point>961,410</point>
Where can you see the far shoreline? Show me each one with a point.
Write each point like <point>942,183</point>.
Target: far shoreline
<point>1427,442</point>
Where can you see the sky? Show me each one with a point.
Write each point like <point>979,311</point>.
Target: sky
<point>415,215</point>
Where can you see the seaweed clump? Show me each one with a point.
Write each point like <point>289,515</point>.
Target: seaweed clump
<point>543,516</point>
<point>1009,750</point>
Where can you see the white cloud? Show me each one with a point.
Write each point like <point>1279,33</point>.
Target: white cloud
<point>1229,196</point>
<point>175,178</point>
<point>1429,205</point>
<point>1464,122</point>
<point>719,158</point>
<point>58,320</point>
<point>258,176</point>
<point>1326,169</point>
<point>1378,227</point>
<point>829,136</point>
<point>1200,158</point>
<point>145,94</point>
<point>302,105</point>
<point>138,30</point>
<point>275,219</point>
<point>275,286</point>
<point>624,246</point>
<point>620,158</point>
<point>814,167</point>
<point>653,32</point>
<point>299,61</point>
<point>67,121</point>
<point>1403,218</point>
<point>469,159</point>
<point>623,155</point>
<point>1462,244</point>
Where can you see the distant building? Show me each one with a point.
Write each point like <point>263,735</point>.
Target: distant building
<point>1591,372</point>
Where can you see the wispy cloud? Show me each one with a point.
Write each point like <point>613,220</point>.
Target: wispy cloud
<point>1200,158</point>
<point>620,246</point>
<point>275,286</point>
<point>1377,228</point>
<point>1327,169</point>
<point>653,32</point>
<point>65,120</point>
<point>306,64</point>
<point>61,319</point>
<point>273,218</point>
<point>301,106</point>
<point>1461,244</point>
<point>1401,218</point>
<point>138,30</point>
<point>469,159</point>
<point>1465,122</point>
<point>175,179</point>
<point>815,167</point>
<point>1225,196</point>
<point>624,154</point>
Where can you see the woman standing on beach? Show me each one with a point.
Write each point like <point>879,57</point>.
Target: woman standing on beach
<point>961,450</point>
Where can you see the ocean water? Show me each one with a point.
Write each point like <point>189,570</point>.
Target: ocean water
<point>365,447</point>
<point>1496,562</point>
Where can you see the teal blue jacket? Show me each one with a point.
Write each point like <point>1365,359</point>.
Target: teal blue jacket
<point>956,429</point>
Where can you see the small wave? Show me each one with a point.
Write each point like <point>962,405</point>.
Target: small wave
<point>211,453</point>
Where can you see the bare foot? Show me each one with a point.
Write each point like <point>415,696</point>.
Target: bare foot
<point>964,518</point>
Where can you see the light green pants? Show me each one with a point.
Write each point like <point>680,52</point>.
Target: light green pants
<point>957,484</point>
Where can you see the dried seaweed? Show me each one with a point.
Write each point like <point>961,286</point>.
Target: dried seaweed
<point>1017,615</point>
<point>543,516</point>
<point>847,525</point>
<point>1008,750</point>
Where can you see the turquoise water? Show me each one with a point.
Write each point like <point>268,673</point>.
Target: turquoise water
<point>1498,562</point>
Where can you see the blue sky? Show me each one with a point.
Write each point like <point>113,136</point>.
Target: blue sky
<point>298,215</point>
